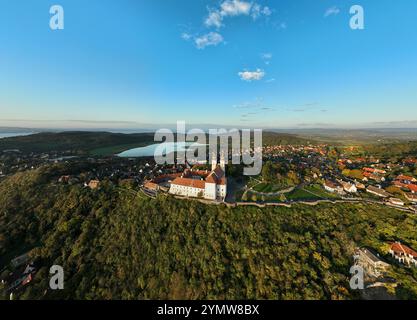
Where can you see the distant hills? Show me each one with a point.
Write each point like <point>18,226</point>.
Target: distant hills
<point>80,141</point>
<point>355,135</point>
<point>275,138</point>
<point>107,143</point>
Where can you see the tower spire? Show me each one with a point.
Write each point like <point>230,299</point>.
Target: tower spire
<point>213,161</point>
<point>223,161</point>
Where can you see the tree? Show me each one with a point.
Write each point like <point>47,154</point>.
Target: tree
<point>268,172</point>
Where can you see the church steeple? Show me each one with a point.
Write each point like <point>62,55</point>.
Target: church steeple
<point>213,161</point>
<point>223,161</point>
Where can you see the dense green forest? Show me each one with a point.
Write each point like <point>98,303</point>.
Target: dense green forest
<point>275,139</point>
<point>117,244</point>
<point>392,149</point>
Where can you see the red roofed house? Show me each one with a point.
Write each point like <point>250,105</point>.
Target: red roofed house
<point>152,186</point>
<point>333,187</point>
<point>373,170</point>
<point>403,254</point>
<point>94,184</point>
<point>406,179</point>
<point>412,187</point>
<point>200,184</point>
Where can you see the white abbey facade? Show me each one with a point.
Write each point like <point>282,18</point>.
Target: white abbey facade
<point>202,184</point>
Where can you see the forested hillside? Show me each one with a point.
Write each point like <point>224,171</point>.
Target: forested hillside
<point>115,244</point>
<point>274,139</point>
<point>77,141</point>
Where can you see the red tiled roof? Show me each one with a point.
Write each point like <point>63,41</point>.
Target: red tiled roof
<point>412,187</point>
<point>151,186</point>
<point>211,178</point>
<point>217,176</point>
<point>406,178</point>
<point>330,184</point>
<point>400,184</point>
<point>199,184</point>
<point>163,177</point>
<point>401,248</point>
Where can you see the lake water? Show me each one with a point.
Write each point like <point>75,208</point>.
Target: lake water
<point>161,148</point>
<point>15,134</point>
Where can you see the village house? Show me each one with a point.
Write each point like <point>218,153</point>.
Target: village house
<point>64,179</point>
<point>360,186</point>
<point>374,171</point>
<point>372,264</point>
<point>370,176</point>
<point>152,186</point>
<point>94,184</point>
<point>378,192</point>
<point>406,179</point>
<point>411,197</point>
<point>412,188</point>
<point>410,161</point>
<point>333,187</point>
<point>396,202</point>
<point>403,254</point>
<point>406,182</point>
<point>348,187</point>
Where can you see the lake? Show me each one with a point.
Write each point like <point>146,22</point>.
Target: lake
<point>14,134</point>
<point>149,151</point>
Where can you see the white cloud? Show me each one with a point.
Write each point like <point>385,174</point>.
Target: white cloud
<point>214,19</point>
<point>233,8</point>
<point>266,11</point>
<point>209,39</point>
<point>270,80</point>
<point>252,75</point>
<point>332,11</point>
<point>258,11</point>
<point>266,57</point>
<point>186,36</point>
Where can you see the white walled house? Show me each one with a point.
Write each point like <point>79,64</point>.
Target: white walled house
<point>403,254</point>
<point>348,187</point>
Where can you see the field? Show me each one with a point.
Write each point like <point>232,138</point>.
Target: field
<point>112,150</point>
<point>308,193</point>
<point>268,188</point>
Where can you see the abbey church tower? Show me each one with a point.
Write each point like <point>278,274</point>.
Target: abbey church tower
<point>214,162</point>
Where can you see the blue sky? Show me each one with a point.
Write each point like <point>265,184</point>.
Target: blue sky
<point>277,63</point>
